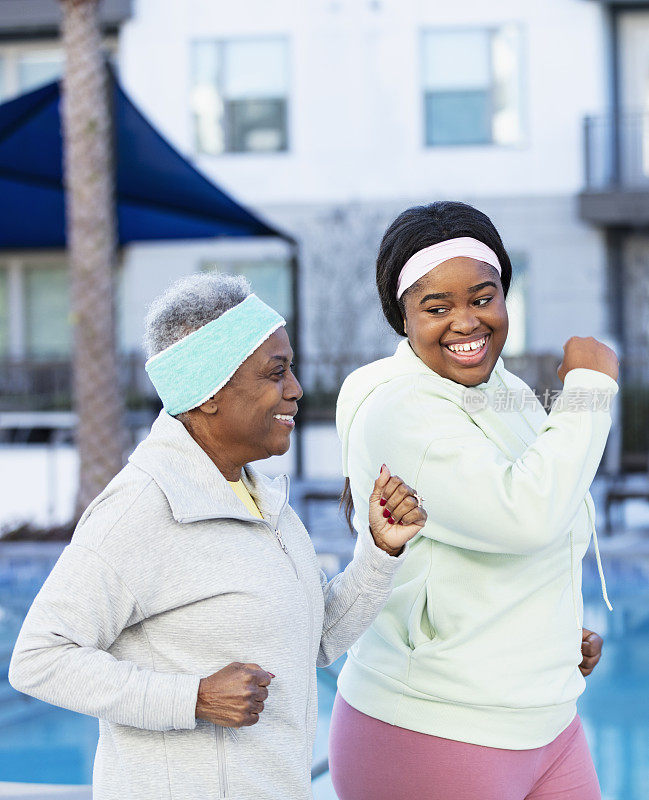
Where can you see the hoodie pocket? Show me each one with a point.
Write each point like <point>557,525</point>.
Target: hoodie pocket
<point>420,626</point>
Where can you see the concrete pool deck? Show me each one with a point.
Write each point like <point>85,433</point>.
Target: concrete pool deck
<point>41,791</point>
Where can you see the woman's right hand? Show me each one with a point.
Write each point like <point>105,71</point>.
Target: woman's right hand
<point>234,696</point>
<point>588,353</point>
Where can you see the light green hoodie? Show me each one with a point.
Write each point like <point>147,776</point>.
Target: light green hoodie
<point>480,640</point>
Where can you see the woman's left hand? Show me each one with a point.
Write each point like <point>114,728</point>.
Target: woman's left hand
<point>591,650</point>
<point>396,514</point>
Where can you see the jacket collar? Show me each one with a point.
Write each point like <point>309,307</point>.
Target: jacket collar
<point>193,485</point>
<point>364,381</point>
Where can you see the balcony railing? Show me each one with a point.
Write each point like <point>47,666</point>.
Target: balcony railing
<point>616,152</point>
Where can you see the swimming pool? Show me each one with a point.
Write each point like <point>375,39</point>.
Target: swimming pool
<point>42,744</point>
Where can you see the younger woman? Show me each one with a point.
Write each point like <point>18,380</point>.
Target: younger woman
<point>465,686</point>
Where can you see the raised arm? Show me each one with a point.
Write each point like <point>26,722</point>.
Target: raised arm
<point>484,501</point>
<point>60,655</point>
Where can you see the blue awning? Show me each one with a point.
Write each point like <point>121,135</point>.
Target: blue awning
<point>160,195</point>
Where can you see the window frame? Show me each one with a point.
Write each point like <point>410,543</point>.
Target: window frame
<point>15,264</point>
<point>220,43</point>
<point>10,53</point>
<point>491,29</point>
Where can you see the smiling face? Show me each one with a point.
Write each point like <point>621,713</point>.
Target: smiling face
<point>251,417</point>
<point>258,404</point>
<point>456,320</point>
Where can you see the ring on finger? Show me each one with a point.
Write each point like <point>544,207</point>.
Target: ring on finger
<point>419,499</point>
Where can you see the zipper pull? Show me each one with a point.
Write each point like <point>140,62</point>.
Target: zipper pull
<point>280,540</point>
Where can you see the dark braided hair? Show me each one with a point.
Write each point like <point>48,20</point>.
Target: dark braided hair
<point>423,226</point>
<point>413,230</point>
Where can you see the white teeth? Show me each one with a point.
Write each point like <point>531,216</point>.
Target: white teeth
<point>285,417</point>
<point>463,348</point>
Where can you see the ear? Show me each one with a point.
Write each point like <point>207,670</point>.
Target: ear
<point>209,406</point>
<point>405,329</point>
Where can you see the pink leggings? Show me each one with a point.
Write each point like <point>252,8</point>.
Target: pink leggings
<point>371,760</point>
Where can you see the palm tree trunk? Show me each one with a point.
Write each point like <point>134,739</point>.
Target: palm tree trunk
<point>91,238</point>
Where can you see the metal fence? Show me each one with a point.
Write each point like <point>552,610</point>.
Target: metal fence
<point>46,385</point>
<point>616,151</point>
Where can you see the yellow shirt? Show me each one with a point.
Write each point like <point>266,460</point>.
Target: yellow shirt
<point>238,487</point>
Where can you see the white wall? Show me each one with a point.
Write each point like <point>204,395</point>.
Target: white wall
<point>356,134</point>
<point>355,101</point>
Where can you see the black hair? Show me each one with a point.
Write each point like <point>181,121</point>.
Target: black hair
<point>423,226</point>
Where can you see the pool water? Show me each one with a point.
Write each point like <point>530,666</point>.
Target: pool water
<point>43,744</point>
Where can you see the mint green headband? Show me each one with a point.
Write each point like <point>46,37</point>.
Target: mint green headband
<point>193,369</point>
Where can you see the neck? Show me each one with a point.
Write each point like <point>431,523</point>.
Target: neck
<point>230,467</point>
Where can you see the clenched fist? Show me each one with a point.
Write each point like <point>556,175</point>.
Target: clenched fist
<point>234,696</point>
<point>591,650</point>
<point>588,353</point>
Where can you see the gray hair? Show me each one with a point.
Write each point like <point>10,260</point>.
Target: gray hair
<point>188,304</point>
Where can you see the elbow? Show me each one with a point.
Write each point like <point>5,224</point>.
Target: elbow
<point>17,674</point>
<point>25,669</point>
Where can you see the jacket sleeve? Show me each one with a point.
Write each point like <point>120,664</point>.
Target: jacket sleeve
<point>354,597</point>
<point>478,499</point>
<point>61,654</point>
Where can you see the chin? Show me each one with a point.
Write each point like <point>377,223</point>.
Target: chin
<point>483,377</point>
<point>282,448</point>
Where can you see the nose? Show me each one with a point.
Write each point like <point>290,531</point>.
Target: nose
<point>465,321</point>
<point>292,388</point>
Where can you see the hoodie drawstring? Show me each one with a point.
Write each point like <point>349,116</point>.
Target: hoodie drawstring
<point>598,558</point>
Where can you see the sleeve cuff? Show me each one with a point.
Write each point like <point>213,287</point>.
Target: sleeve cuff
<point>171,701</point>
<point>582,378</point>
<point>375,558</point>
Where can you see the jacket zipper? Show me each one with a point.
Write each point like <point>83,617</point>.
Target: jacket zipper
<point>282,544</point>
<point>220,754</point>
<point>307,600</point>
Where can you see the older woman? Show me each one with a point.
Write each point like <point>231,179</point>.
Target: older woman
<point>188,612</point>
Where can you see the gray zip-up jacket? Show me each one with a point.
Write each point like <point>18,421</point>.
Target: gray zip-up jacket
<point>167,579</point>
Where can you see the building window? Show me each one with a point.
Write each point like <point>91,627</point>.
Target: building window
<point>471,82</point>
<point>270,280</point>
<point>26,67</point>
<point>38,67</point>
<point>239,95</point>
<point>35,309</point>
<point>517,343</point>
<point>47,330</point>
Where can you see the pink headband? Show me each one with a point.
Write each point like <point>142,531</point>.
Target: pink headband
<point>430,257</point>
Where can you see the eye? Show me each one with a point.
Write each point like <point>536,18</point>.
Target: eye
<point>482,301</point>
<point>434,311</point>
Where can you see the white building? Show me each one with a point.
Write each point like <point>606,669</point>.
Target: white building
<point>330,117</point>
